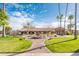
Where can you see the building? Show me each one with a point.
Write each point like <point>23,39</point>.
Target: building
<point>36,31</point>
<point>39,31</point>
<point>60,31</point>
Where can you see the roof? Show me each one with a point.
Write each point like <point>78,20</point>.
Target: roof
<point>38,29</point>
<point>59,28</point>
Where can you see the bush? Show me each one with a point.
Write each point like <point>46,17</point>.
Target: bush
<point>69,33</point>
<point>55,35</point>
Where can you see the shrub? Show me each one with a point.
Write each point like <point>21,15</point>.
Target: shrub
<point>55,35</point>
<point>69,33</point>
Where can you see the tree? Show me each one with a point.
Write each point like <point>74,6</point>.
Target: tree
<point>70,19</point>
<point>8,29</point>
<point>28,25</point>
<point>3,20</point>
<point>75,34</point>
<point>60,20</point>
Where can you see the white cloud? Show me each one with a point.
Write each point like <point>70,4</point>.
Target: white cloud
<point>56,24</point>
<point>17,22</point>
<point>42,25</point>
<point>53,24</point>
<point>17,14</point>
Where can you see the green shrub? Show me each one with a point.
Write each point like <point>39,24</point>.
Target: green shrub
<point>69,33</point>
<point>55,35</point>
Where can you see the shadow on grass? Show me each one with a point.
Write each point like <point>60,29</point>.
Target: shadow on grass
<point>76,53</point>
<point>15,53</point>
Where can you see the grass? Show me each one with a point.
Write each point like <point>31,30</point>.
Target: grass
<point>13,44</point>
<point>63,47</point>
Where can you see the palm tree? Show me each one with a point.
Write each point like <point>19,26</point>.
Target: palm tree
<point>61,16</point>
<point>28,25</point>
<point>70,25</point>
<point>64,25</point>
<point>75,34</point>
<point>60,20</point>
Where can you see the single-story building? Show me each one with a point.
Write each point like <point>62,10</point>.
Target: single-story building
<point>36,31</point>
<point>39,31</point>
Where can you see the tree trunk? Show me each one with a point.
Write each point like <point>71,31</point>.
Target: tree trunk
<point>64,27</point>
<point>60,27</point>
<point>70,26</point>
<point>75,33</point>
<point>4,34</point>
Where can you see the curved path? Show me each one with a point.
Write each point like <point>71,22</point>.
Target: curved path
<point>36,43</point>
<point>41,51</point>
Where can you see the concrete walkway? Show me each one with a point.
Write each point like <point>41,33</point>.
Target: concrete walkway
<point>36,43</point>
<point>42,51</point>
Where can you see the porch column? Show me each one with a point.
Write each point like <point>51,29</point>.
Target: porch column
<point>35,33</point>
<point>27,32</point>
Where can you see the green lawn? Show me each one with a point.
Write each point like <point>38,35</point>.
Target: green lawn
<point>13,44</point>
<point>63,47</point>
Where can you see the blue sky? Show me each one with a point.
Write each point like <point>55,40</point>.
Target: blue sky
<point>39,14</point>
